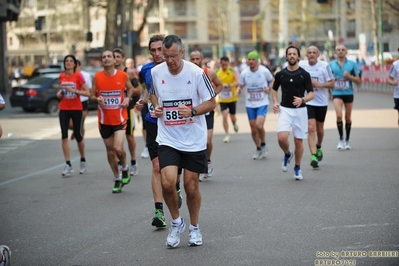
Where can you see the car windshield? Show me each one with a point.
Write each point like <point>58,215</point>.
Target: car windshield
<point>39,80</point>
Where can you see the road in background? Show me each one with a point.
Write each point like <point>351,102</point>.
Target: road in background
<point>252,213</point>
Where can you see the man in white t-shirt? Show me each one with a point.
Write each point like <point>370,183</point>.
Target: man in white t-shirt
<point>256,80</point>
<point>181,94</point>
<point>394,81</point>
<point>322,81</point>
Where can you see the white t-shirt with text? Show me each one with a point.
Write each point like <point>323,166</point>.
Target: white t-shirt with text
<point>190,87</point>
<point>322,72</point>
<point>254,84</point>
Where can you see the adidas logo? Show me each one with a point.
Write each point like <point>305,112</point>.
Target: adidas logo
<point>189,82</point>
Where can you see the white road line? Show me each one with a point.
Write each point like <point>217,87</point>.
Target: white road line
<point>13,144</point>
<point>35,173</point>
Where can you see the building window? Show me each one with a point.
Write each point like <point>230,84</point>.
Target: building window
<point>10,41</point>
<point>153,28</point>
<point>249,8</point>
<point>181,30</point>
<point>97,36</point>
<point>246,30</point>
<point>181,7</point>
<point>351,29</point>
<point>213,31</point>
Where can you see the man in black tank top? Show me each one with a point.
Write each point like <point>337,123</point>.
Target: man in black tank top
<point>293,80</point>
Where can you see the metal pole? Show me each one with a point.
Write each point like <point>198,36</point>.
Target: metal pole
<point>4,82</point>
<point>380,44</point>
<point>337,23</point>
<point>254,29</point>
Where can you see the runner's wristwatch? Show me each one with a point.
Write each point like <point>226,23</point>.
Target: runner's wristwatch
<point>193,112</point>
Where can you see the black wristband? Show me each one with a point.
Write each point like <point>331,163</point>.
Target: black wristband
<point>135,82</point>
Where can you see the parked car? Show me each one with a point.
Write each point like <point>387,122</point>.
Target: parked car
<point>39,93</point>
<point>44,71</point>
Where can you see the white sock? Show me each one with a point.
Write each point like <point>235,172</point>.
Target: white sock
<point>193,227</point>
<point>177,221</point>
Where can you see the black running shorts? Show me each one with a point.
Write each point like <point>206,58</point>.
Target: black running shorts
<point>210,119</point>
<point>152,145</point>
<point>77,119</point>
<point>396,101</point>
<point>193,161</point>
<point>107,131</point>
<point>344,98</point>
<point>231,106</point>
<point>317,112</point>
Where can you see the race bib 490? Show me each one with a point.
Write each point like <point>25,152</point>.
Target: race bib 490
<point>112,99</point>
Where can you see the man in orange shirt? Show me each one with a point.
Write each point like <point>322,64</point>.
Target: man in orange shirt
<point>108,91</point>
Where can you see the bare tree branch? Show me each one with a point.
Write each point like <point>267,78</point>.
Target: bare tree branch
<point>393,4</point>
<point>147,10</point>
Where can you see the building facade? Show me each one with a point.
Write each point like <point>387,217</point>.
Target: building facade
<point>216,27</point>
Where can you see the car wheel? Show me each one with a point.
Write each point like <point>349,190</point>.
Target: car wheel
<point>29,109</point>
<point>52,106</point>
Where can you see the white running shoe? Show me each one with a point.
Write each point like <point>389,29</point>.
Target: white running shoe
<point>226,139</point>
<point>173,238</point>
<point>68,170</point>
<point>298,173</point>
<point>210,170</point>
<point>6,254</point>
<point>82,168</point>
<point>286,162</point>
<point>264,152</point>
<point>133,170</point>
<point>202,177</point>
<point>145,153</point>
<point>348,145</point>
<point>235,126</point>
<point>257,155</point>
<point>195,237</point>
<point>341,145</point>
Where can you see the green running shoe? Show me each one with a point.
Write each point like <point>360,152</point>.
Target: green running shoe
<point>313,161</point>
<point>159,220</point>
<point>125,177</point>
<point>117,187</point>
<point>180,198</point>
<point>319,155</point>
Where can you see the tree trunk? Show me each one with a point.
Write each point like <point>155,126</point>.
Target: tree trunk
<point>136,49</point>
<point>111,26</point>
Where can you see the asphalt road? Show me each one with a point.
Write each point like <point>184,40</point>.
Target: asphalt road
<point>252,213</point>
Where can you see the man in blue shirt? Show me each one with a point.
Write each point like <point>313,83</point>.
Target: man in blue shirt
<point>345,72</point>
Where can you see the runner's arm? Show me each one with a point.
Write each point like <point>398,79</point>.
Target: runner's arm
<point>93,96</point>
<point>218,85</point>
<point>85,90</point>
<point>392,81</point>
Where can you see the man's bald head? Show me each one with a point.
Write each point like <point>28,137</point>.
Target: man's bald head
<point>129,63</point>
<point>196,58</point>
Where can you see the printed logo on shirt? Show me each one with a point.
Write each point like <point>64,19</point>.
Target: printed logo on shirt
<point>189,82</point>
<point>163,81</point>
